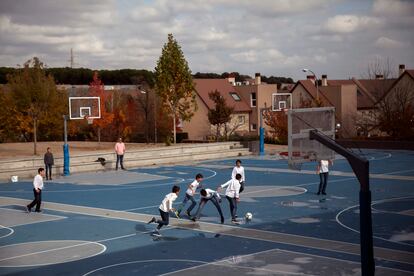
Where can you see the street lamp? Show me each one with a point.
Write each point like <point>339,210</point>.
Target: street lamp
<point>155,113</point>
<point>316,81</point>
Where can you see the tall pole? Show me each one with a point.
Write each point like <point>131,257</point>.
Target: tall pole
<point>155,117</point>
<point>65,147</point>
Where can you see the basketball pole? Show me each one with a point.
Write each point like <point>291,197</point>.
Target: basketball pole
<point>360,166</point>
<point>66,171</point>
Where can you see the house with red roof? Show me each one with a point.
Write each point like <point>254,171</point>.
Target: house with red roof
<point>246,98</point>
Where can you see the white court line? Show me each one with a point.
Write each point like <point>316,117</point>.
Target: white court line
<point>276,249</point>
<point>8,228</point>
<point>50,250</point>
<point>375,202</point>
<point>72,246</point>
<point>130,187</point>
<point>56,217</point>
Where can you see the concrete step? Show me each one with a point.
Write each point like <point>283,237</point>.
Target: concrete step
<point>133,159</point>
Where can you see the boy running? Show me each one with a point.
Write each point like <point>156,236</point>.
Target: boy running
<point>213,196</point>
<point>232,195</point>
<point>239,169</point>
<point>165,208</point>
<point>189,195</point>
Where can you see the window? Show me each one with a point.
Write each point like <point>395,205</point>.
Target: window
<point>254,126</point>
<point>241,119</point>
<point>253,99</point>
<point>235,96</point>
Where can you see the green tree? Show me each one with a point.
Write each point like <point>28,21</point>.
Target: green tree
<point>221,114</point>
<point>174,83</point>
<point>36,99</point>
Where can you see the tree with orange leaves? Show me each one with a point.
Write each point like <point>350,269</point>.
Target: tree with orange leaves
<point>96,89</point>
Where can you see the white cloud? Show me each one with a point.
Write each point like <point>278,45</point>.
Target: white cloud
<point>350,23</point>
<point>385,42</point>
<point>393,7</point>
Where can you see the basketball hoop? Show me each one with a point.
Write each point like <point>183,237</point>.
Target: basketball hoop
<point>90,120</point>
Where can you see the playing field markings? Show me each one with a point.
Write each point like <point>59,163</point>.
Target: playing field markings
<point>317,263</point>
<point>129,187</point>
<point>255,234</point>
<point>375,202</point>
<point>55,257</point>
<point>8,234</point>
<point>335,173</point>
<point>13,218</point>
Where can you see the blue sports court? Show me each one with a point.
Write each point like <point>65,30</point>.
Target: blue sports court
<point>95,223</point>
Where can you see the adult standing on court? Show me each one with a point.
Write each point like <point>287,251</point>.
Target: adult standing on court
<point>37,190</point>
<point>239,169</point>
<point>49,162</point>
<point>120,151</point>
<point>323,170</point>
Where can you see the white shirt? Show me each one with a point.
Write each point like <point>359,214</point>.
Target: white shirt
<point>324,166</point>
<point>211,193</point>
<point>38,182</point>
<point>192,188</point>
<point>233,187</point>
<point>166,204</point>
<point>238,170</point>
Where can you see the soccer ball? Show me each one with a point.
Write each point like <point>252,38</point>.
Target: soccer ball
<point>248,216</point>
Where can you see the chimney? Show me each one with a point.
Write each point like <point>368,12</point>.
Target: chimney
<point>401,69</point>
<point>311,78</point>
<point>232,79</point>
<point>257,79</point>
<point>324,80</point>
<point>379,77</point>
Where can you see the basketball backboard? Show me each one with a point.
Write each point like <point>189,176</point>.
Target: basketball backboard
<point>84,107</point>
<point>281,101</point>
<point>300,148</point>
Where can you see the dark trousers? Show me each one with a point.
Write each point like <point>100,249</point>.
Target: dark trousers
<point>233,206</point>
<point>324,181</point>
<point>37,200</point>
<point>48,171</point>
<point>120,160</point>
<point>204,201</point>
<point>241,187</point>
<point>165,219</point>
<point>187,198</point>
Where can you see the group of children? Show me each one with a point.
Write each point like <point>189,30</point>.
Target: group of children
<point>233,189</point>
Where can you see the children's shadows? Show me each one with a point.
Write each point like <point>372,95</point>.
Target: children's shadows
<point>164,238</point>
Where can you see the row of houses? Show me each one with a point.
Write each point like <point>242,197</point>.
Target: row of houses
<point>355,101</point>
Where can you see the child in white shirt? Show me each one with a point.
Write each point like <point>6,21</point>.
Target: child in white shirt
<point>239,169</point>
<point>164,209</point>
<point>209,195</point>
<point>189,195</point>
<point>232,195</point>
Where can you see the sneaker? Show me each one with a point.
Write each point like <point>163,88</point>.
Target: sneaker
<point>234,221</point>
<point>323,193</point>
<point>152,220</point>
<point>194,219</point>
<point>156,233</point>
<point>188,214</point>
<point>28,209</point>
<point>38,211</point>
<point>177,214</point>
<point>318,193</point>
<point>222,221</point>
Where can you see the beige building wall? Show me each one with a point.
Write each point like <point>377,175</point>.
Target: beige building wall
<point>239,124</point>
<point>264,93</point>
<point>344,99</point>
<point>299,95</point>
<point>199,126</point>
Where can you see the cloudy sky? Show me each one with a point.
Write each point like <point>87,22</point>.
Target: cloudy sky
<point>274,37</point>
